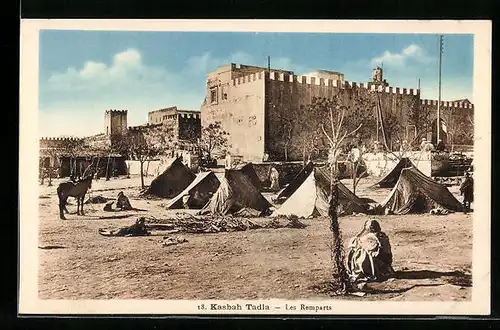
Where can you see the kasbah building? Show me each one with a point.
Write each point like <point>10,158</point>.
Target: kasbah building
<point>183,126</point>
<point>254,104</point>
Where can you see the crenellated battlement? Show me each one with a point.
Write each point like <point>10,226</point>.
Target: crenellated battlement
<point>448,104</point>
<point>248,78</point>
<point>116,112</point>
<point>60,139</point>
<point>308,80</point>
<point>190,114</point>
<point>143,127</point>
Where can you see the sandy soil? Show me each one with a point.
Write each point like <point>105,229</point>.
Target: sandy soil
<point>432,255</point>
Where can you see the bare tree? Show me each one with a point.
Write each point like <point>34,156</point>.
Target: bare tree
<point>137,145</point>
<point>53,154</point>
<point>336,133</point>
<point>72,148</point>
<point>162,140</point>
<point>420,117</point>
<point>309,136</point>
<point>465,129</point>
<point>286,128</point>
<point>213,139</point>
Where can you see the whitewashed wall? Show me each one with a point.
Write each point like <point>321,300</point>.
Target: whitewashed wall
<point>381,163</point>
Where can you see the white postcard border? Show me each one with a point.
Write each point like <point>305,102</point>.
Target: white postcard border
<point>29,302</point>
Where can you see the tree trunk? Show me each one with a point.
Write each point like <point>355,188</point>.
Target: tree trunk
<point>304,155</point>
<point>97,168</point>
<point>339,272</point>
<point>50,175</point>
<point>147,167</point>
<point>142,174</point>
<point>286,152</point>
<point>42,174</point>
<point>354,174</point>
<point>107,169</point>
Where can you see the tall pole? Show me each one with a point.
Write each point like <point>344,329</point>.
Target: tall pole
<point>438,122</point>
<point>269,64</point>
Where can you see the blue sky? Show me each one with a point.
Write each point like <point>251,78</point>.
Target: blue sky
<point>83,73</point>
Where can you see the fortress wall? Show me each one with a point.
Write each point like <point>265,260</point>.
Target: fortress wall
<point>288,97</point>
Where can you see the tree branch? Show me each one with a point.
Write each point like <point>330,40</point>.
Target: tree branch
<point>348,134</point>
<point>341,121</point>
<point>326,134</point>
<point>332,123</point>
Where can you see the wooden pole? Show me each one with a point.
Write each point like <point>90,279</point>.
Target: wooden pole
<point>107,169</point>
<point>438,121</point>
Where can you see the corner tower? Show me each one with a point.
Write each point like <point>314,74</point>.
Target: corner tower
<point>115,122</point>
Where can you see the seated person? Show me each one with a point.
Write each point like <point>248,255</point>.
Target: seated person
<point>122,202</point>
<point>369,255</point>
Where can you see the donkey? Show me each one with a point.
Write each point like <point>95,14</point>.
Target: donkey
<point>74,189</point>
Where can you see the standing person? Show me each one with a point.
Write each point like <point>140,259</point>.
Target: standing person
<point>396,146</point>
<point>423,144</point>
<point>185,201</point>
<point>228,160</point>
<point>363,148</point>
<point>275,179</point>
<point>354,154</point>
<point>429,146</point>
<point>467,190</point>
<point>369,255</point>
<point>404,147</point>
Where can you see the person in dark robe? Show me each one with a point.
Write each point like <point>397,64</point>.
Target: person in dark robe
<point>467,190</point>
<point>440,146</point>
<point>122,202</point>
<point>369,255</point>
<point>137,229</point>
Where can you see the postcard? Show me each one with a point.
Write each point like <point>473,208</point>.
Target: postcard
<point>255,167</point>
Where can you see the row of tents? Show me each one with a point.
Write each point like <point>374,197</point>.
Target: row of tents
<point>307,195</point>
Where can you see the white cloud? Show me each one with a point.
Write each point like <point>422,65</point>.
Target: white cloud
<point>202,63</point>
<point>92,70</point>
<point>413,50</point>
<point>411,55</point>
<point>388,58</point>
<point>125,69</point>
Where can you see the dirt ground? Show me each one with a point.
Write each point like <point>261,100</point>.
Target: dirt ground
<point>432,255</point>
